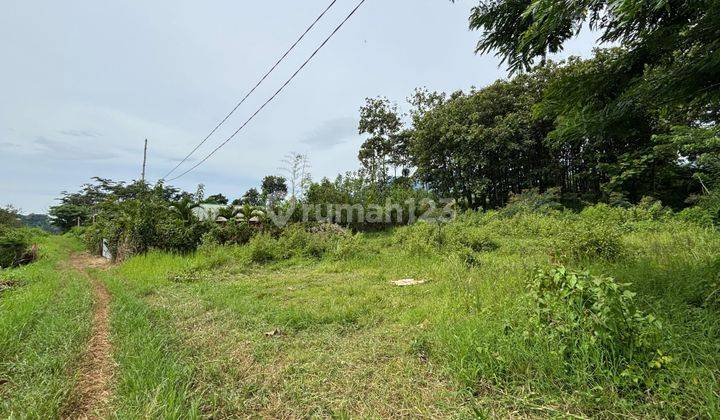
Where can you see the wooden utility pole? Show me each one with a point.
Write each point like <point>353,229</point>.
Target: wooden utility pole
<point>144,161</point>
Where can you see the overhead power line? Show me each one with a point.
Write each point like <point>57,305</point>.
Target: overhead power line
<point>242,101</point>
<point>274,95</point>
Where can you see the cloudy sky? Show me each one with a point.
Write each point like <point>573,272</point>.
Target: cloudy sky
<point>83,83</point>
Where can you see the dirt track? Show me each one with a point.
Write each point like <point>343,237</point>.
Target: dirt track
<point>93,388</point>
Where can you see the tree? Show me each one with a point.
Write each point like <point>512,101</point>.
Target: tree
<point>67,216</point>
<point>616,114</point>
<point>247,212</point>
<point>274,189</point>
<point>297,166</point>
<point>251,196</point>
<point>387,143</point>
<point>229,212</point>
<point>183,208</point>
<point>9,216</point>
<point>479,147</point>
<point>671,46</point>
<point>40,221</point>
<point>217,199</point>
<point>84,203</point>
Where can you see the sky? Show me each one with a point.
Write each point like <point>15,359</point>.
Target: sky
<point>83,83</point>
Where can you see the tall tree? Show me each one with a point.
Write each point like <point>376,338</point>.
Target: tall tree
<point>217,199</point>
<point>251,197</point>
<point>479,147</point>
<point>274,189</point>
<point>672,46</point>
<point>387,143</point>
<point>9,216</point>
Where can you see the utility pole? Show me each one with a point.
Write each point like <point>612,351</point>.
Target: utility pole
<point>144,161</point>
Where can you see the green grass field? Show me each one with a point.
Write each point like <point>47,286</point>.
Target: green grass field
<point>216,335</point>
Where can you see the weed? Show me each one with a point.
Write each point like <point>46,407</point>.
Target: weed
<point>597,327</point>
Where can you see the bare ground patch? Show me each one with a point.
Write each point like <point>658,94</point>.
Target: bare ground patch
<point>93,390</point>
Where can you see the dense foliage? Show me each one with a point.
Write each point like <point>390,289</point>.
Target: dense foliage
<point>15,240</point>
<point>636,120</point>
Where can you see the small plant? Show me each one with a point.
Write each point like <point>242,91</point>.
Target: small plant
<point>597,327</point>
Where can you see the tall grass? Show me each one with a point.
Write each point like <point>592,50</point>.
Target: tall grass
<point>154,373</point>
<point>44,324</point>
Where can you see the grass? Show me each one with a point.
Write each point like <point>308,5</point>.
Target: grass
<point>347,343</point>
<point>154,373</point>
<point>324,333</point>
<point>44,324</point>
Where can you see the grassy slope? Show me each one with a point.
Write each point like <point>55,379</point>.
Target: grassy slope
<point>44,323</point>
<point>351,344</point>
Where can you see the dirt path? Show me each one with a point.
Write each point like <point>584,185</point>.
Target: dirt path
<point>93,389</point>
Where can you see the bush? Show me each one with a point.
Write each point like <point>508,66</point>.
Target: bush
<point>588,241</point>
<point>77,232</point>
<point>314,240</point>
<point>232,233</point>
<point>14,244</point>
<point>597,328</point>
<point>473,238</point>
<point>263,248</point>
<point>420,238</point>
<point>353,246</point>
<point>533,201</point>
<point>705,213</point>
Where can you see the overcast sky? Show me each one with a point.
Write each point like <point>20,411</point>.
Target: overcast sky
<point>84,82</point>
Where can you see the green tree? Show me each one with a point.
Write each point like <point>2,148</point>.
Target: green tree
<point>9,216</point>
<point>479,147</point>
<point>274,189</point>
<point>671,47</point>
<point>67,216</point>
<point>247,212</point>
<point>183,208</point>
<point>387,144</point>
<point>216,199</point>
<point>251,196</point>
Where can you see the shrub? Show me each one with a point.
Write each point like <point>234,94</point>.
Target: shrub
<point>474,239</point>
<point>597,327</point>
<point>14,244</point>
<point>263,248</point>
<point>421,237</point>
<point>587,241</point>
<point>313,240</point>
<point>533,201</point>
<point>353,246</point>
<point>231,233</point>
<point>705,213</point>
<point>77,232</point>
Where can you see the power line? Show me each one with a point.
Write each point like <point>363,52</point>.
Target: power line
<point>242,101</point>
<point>274,95</point>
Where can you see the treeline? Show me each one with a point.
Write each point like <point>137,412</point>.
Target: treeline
<point>561,125</point>
<point>633,121</point>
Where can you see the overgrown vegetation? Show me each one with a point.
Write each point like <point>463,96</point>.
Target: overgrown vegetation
<point>502,323</point>
<point>15,240</point>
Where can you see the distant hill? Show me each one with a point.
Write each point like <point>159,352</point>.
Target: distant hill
<point>41,221</point>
